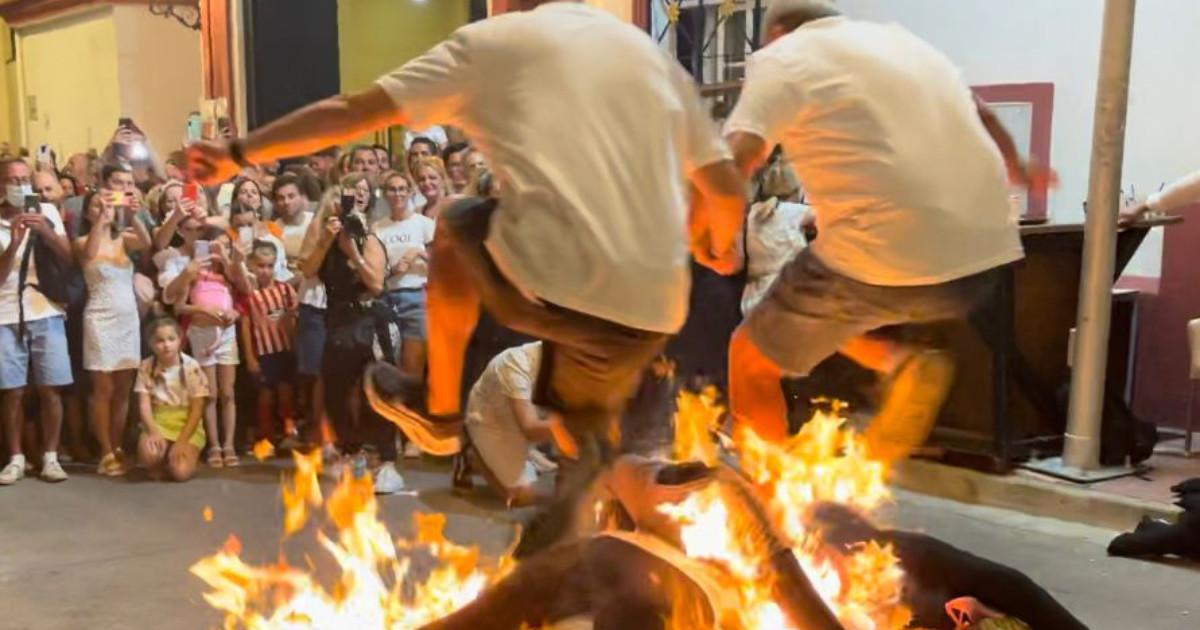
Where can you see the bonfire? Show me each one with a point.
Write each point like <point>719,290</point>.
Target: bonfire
<point>378,588</point>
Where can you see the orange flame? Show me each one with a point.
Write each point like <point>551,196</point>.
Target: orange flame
<point>263,449</point>
<point>823,462</point>
<point>375,588</point>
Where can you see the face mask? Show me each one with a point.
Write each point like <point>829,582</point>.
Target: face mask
<point>15,194</point>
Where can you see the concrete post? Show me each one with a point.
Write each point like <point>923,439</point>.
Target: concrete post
<point>1082,445</point>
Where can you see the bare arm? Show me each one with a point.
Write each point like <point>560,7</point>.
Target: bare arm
<point>137,238</point>
<point>165,232</point>
<point>247,341</point>
<point>1004,141</point>
<point>195,412</point>
<point>717,216</point>
<point>146,413</point>
<point>1179,193</point>
<point>750,152</point>
<point>88,246</point>
<point>532,426</point>
<point>8,258</point>
<point>333,121</point>
<point>374,271</point>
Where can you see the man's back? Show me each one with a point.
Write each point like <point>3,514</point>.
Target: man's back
<point>591,130</point>
<point>907,185</point>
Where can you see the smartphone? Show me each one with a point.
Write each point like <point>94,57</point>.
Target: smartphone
<point>116,198</point>
<point>245,235</point>
<point>33,204</point>
<point>202,250</point>
<point>44,154</point>
<point>191,191</point>
<point>195,127</point>
<point>121,217</point>
<point>348,202</point>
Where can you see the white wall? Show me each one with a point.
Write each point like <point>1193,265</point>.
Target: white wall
<point>1059,41</point>
<point>159,63</point>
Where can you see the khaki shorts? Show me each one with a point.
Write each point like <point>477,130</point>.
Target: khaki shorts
<point>811,310</point>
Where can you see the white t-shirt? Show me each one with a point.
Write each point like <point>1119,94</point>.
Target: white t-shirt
<point>312,290</point>
<point>592,156</point>
<point>36,305</point>
<point>511,374</point>
<point>401,237</point>
<point>907,185</point>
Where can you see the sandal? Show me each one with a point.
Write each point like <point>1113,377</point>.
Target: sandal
<point>214,457</point>
<point>231,458</point>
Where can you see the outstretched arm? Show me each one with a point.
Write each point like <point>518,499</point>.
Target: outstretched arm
<point>335,120</point>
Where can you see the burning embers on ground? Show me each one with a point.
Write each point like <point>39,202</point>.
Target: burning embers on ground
<point>377,586</point>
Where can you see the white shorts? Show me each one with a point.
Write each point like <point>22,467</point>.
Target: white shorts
<point>504,451</point>
<point>213,345</point>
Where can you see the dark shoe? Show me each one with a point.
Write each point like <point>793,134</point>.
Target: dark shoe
<point>910,407</point>
<point>460,478</point>
<point>397,397</point>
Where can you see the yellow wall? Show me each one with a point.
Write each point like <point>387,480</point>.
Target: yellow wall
<point>375,36</point>
<point>160,73</point>
<point>70,66</point>
<point>8,112</point>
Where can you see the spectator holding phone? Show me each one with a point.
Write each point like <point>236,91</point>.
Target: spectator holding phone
<point>245,229</point>
<point>171,389</point>
<point>267,330</point>
<point>198,278</point>
<point>178,202</point>
<point>352,265</point>
<point>249,194</point>
<point>32,328</point>
<point>111,346</point>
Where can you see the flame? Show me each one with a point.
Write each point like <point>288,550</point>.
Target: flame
<point>207,513</point>
<point>825,461</point>
<point>263,449</point>
<point>376,588</point>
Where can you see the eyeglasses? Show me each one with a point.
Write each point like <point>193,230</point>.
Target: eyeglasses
<point>395,189</point>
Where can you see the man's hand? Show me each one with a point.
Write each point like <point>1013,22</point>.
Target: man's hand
<point>725,263</point>
<point>1034,175</point>
<point>36,223</point>
<point>209,162</point>
<point>197,265</point>
<point>348,246</point>
<point>1132,214</point>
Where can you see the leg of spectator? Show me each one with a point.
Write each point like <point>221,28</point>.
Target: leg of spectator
<point>103,387</point>
<point>875,353</point>
<point>181,461</point>
<point>52,415</point>
<point>325,432</point>
<point>210,413</point>
<point>73,419</point>
<point>10,406</point>
<point>226,375</point>
<point>412,357</point>
<point>266,414</point>
<point>453,310</point>
<point>122,388</point>
<point>755,396</point>
<point>287,406</point>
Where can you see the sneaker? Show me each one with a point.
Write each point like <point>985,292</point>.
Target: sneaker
<point>911,405</point>
<point>388,479</point>
<point>541,463</point>
<point>110,466</point>
<point>52,471</point>
<point>412,451</point>
<point>13,472</point>
<point>460,478</point>
<point>398,398</point>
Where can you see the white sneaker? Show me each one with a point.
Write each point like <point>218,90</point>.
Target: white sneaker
<point>14,471</point>
<point>542,464</point>
<point>388,479</point>
<point>52,471</point>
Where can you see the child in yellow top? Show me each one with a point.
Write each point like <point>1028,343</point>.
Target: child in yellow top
<point>171,389</point>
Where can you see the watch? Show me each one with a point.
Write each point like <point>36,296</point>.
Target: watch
<point>237,151</point>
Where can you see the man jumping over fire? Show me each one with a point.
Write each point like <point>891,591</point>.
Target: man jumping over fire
<point>900,163</point>
<point>595,136</point>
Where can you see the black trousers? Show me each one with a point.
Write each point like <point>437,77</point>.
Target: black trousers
<point>349,349</point>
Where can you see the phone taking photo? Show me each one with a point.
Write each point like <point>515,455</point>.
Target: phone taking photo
<point>203,249</point>
<point>348,202</point>
<point>245,236</point>
<point>191,191</point>
<point>33,204</point>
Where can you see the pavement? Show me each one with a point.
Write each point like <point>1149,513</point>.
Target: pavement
<point>100,553</point>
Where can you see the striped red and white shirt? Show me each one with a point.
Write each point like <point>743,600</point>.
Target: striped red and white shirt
<point>269,307</point>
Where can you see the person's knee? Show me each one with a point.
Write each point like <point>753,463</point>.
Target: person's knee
<point>49,395</point>
<point>181,469</point>
<point>226,396</point>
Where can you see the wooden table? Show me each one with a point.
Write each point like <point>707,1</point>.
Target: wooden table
<point>1012,354</point>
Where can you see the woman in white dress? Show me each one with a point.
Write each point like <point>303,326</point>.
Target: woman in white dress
<point>111,326</point>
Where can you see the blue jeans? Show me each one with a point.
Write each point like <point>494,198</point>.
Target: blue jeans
<point>44,347</point>
<point>407,308</point>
